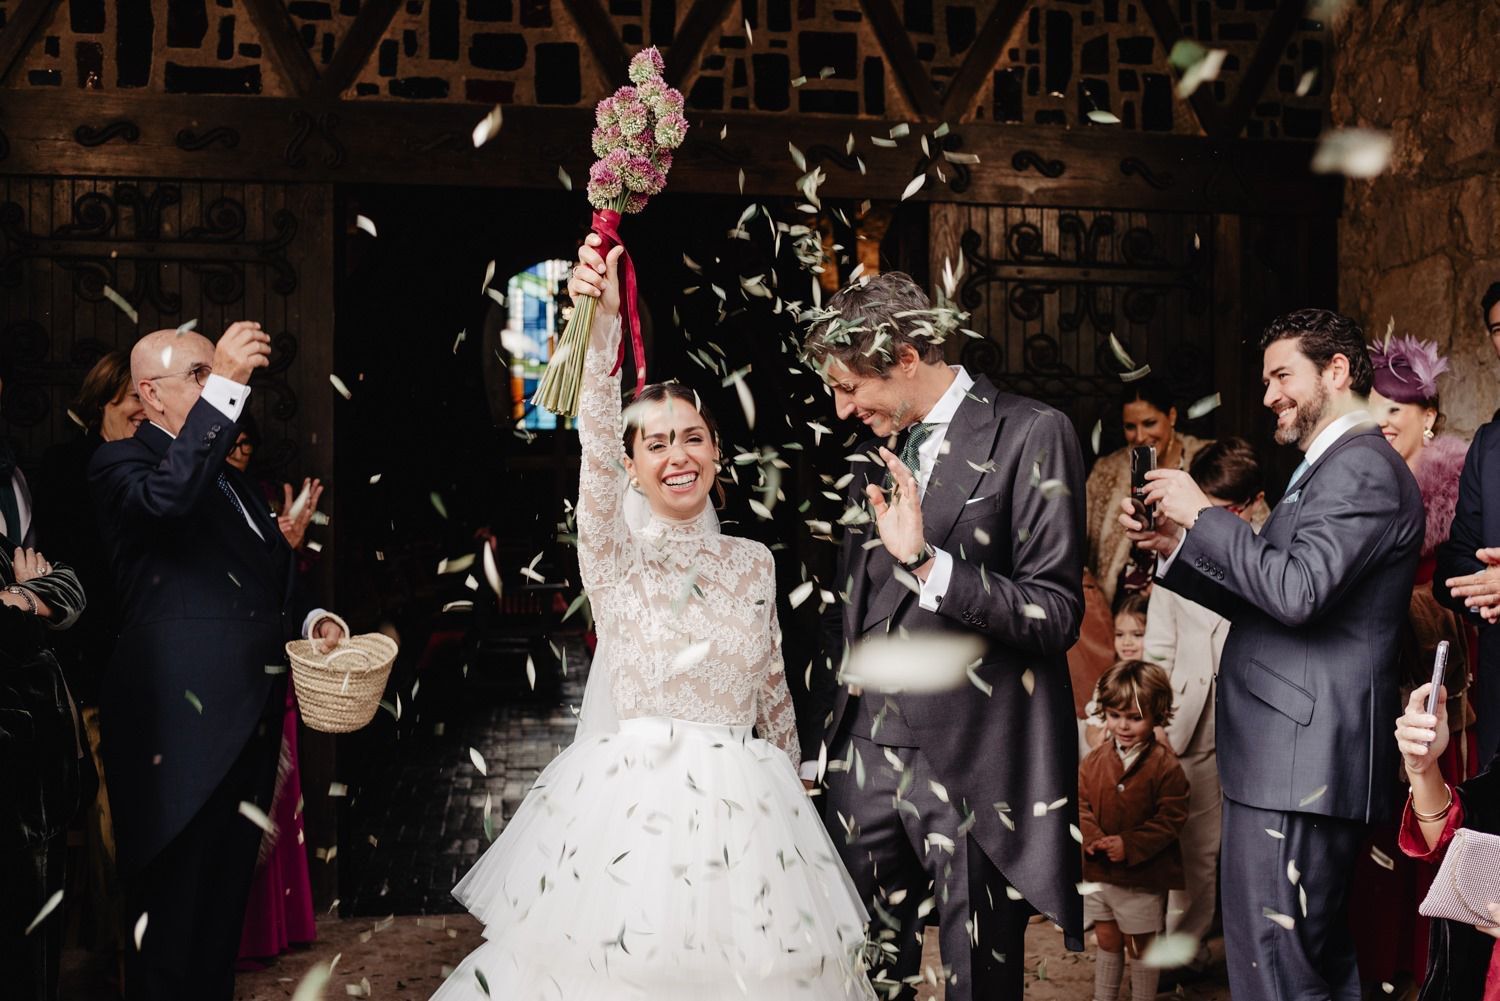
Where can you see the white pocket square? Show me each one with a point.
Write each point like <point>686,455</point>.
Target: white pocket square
<point>1292,497</point>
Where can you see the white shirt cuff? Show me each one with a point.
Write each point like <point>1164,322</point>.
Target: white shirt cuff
<point>1165,563</point>
<point>225,396</point>
<point>936,584</point>
<point>808,771</point>
<point>312,618</point>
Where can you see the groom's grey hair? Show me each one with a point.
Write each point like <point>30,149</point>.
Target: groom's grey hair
<point>865,325</point>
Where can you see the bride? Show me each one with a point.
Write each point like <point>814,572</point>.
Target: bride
<point>670,853</point>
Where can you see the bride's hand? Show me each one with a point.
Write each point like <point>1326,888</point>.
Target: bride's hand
<point>598,277</point>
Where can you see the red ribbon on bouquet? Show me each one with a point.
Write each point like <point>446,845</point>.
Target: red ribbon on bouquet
<point>607,225</point>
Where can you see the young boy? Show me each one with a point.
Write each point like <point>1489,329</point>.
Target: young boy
<point>1132,803</point>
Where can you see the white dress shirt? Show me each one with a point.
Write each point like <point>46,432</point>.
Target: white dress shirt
<point>938,418</point>
<point>1322,443</point>
<point>228,398</point>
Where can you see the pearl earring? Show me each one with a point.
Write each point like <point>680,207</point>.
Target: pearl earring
<point>1427,434</point>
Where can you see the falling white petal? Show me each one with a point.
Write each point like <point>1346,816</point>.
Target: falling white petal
<point>488,127</point>
<point>365,223</point>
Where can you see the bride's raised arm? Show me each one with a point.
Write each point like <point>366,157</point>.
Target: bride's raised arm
<point>603,536</point>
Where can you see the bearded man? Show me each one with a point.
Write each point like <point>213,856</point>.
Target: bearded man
<point>1307,685</point>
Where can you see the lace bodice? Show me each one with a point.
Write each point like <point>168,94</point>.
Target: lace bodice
<point>685,616</point>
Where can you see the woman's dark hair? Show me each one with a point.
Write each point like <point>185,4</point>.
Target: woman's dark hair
<point>1488,300</point>
<point>1133,603</point>
<point>1321,334</point>
<point>1150,390</point>
<point>103,384</point>
<point>1228,469</point>
<point>662,392</point>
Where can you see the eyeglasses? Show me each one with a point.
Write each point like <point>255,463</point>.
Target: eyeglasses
<point>243,446</point>
<point>199,373</point>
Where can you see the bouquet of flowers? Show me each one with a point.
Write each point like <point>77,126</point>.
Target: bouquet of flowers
<point>636,130</point>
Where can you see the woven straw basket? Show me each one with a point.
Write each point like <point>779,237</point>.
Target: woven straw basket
<point>338,692</point>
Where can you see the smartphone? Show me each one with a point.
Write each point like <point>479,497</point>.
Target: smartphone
<point>1439,668</point>
<point>1142,461</point>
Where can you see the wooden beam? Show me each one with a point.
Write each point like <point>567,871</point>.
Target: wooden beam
<point>365,33</point>
<point>26,19</point>
<point>287,52</point>
<point>1267,57</point>
<point>910,74</point>
<point>982,58</point>
<point>1169,33</point>
<point>687,47</point>
<point>602,38</point>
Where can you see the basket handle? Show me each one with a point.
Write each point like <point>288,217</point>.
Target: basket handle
<point>338,621</point>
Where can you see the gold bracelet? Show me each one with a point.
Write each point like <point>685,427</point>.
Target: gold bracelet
<point>1432,818</point>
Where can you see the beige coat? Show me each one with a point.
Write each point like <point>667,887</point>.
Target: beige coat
<point>1109,484</point>
<point>1187,640</point>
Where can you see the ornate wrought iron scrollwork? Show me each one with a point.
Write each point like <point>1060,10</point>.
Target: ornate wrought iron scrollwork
<point>303,126</point>
<point>192,141</point>
<point>1025,159</point>
<point>26,402</point>
<point>87,135</point>
<point>697,148</point>
<point>961,177</point>
<point>822,151</point>
<point>224,219</point>
<point>272,378</point>
<point>1135,166</point>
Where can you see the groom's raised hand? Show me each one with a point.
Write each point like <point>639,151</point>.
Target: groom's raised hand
<point>899,517</point>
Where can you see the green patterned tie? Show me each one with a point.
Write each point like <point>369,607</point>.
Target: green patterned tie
<point>910,450</point>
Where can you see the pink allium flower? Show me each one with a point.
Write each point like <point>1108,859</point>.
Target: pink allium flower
<point>607,140</point>
<point>640,175</point>
<point>605,184</point>
<point>673,100</point>
<point>632,117</point>
<point>646,65</point>
<point>604,112</point>
<point>662,159</point>
<point>671,130</point>
<point>634,203</point>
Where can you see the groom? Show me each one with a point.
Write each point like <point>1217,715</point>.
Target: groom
<point>959,801</point>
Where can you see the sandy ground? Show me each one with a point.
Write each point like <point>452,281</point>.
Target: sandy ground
<point>404,958</point>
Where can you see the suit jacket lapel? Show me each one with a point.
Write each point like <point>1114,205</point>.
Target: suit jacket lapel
<point>856,576</point>
<point>967,454</point>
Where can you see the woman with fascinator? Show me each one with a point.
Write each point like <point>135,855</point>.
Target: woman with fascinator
<point>1405,403</point>
<point>671,852</point>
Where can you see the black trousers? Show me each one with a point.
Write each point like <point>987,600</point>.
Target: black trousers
<point>194,892</point>
<point>902,844</point>
<point>1313,960</point>
<point>29,963</point>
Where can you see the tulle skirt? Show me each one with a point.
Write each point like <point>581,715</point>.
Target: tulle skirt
<point>671,861</point>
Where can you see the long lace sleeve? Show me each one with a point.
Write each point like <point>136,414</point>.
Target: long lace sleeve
<point>775,719</point>
<point>603,536</point>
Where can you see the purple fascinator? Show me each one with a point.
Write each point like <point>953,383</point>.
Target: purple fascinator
<point>1406,369</point>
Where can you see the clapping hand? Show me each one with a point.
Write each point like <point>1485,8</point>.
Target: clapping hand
<point>899,517</point>
<point>293,521</point>
<point>1481,589</point>
<point>28,564</point>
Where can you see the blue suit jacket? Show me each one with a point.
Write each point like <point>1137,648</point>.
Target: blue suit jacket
<point>1307,686</point>
<point>205,608</point>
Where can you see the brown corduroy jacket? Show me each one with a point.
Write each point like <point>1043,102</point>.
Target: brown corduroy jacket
<point>1146,806</point>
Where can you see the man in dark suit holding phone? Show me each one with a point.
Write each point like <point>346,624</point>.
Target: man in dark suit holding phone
<point>192,700</point>
<point>978,531</point>
<point>1307,685</point>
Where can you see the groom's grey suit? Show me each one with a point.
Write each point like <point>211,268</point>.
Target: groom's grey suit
<point>1307,696</point>
<point>987,789</point>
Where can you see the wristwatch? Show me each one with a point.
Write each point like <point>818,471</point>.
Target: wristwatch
<point>926,553</point>
<point>18,589</point>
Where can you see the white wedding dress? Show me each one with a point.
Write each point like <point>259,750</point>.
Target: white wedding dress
<point>670,853</point>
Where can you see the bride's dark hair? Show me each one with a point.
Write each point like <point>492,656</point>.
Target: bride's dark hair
<point>664,392</point>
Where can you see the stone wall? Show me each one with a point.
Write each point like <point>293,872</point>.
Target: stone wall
<point>1422,242</point>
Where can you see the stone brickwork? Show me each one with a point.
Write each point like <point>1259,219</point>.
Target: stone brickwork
<point>1422,242</point>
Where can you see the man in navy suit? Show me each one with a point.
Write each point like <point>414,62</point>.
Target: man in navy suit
<point>1468,564</point>
<point>1307,683</point>
<point>191,702</point>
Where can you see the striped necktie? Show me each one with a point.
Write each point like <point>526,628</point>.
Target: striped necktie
<point>911,455</point>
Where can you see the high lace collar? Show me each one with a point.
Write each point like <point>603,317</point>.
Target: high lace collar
<point>659,529</point>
